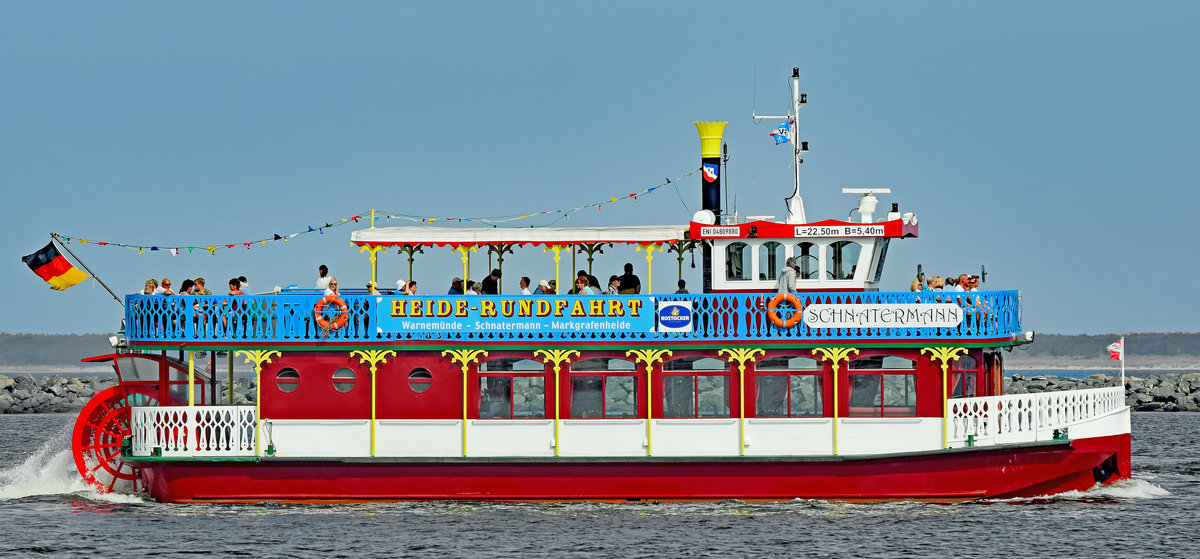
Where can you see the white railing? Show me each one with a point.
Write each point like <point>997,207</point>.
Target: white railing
<point>182,431</point>
<point>1028,417</point>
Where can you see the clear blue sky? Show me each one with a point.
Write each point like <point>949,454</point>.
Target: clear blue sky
<point>1054,142</point>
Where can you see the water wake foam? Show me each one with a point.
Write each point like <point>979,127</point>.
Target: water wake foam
<point>50,470</point>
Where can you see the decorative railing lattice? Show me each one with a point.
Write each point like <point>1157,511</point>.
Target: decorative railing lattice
<point>1028,417</point>
<point>178,431</point>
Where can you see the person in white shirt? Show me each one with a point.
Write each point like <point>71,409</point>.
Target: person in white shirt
<point>525,286</point>
<point>323,279</point>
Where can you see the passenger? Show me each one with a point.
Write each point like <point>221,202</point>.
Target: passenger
<point>915,285</point>
<point>234,313</point>
<point>244,285</point>
<point>552,287</point>
<point>525,286</point>
<point>200,289</point>
<point>372,288</point>
<point>164,288</point>
<point>933,283</point>
<point>401,285</point>
<point>411,288</point>
<point>961,284</point>
<point>470,290</point>
<point>491,284</point>
<point>542,288</point>
<point>973,283</point>
<point>332,289</point>
<point>186,287</point>
<point>456,287</point>
<point>235,287</point>
<point>592,281</point>
<point>323,278</point>
<point>630,283</point>
<point>151,287</point>
<point>682,288</point>
<point>787,277</point>
<point>477,289</point>
<point>582,287</point>
<point>614,285</point>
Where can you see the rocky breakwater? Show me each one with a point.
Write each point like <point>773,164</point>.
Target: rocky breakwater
<point>1166,392</point>
<point>48,394</point>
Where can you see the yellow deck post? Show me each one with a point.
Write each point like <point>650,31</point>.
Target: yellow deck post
<point>741,355</point>
<point>649,357</point>
<point>835,355</point>
<point>373,357</point>
<point>464,357</point>
<point>257,357</point>
<point>945,355</point>
<point>649,248</point>
<point>557,357</point>
<point>374,257</point>
<point>191,378</point>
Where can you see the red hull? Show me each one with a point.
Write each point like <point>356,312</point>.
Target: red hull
<point>945,476</point>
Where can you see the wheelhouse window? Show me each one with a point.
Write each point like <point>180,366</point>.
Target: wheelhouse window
<point>883,386</point>
<point>512,388</point>
<point>737,262</point>
<point>696,387</point>
<point>964,377</point>
<point>807,261</point>
<point>843,260</point>
<point>788,386</point>
<point>603,388</point>
<point>770,260</point>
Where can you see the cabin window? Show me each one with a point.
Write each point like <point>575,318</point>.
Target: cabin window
<point>603,396</point>
<point>515,390</point>
<point>737,260</point>
<point>964,377</point>
<point>807,261</point>
<point>287,380</point>
<point>603,365</point>
<point>695,395</point>
<point>843,260</point>
<point>782,391</point>
<point>882,386</point>
<point>420,380</point>
<point>770,260</point>
<point>343,380</point>
<point>512,396</point>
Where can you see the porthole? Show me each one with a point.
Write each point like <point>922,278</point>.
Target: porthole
<point>343,380</point>
<point>287,380</point>
<point>420,380</point>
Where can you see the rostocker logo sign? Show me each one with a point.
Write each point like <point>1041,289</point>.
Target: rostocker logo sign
<point>675,316</point>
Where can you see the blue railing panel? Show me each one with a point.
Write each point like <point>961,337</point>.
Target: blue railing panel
<point>289,317</point>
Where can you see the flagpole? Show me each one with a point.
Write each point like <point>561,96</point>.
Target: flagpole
<point>1122,361</point>
<point>55,237</point>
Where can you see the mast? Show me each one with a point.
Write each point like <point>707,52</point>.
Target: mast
<point>795,202</point>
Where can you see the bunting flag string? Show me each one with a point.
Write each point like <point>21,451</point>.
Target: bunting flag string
<point>494,221</point>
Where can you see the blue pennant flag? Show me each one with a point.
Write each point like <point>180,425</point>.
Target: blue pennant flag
<point>782,134</point>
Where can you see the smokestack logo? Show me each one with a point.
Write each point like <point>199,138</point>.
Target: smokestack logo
<point>710,172</point>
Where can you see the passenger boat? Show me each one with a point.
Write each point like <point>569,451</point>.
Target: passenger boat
<point>835,390</point>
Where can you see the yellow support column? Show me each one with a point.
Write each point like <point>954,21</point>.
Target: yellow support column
<point>191,378</point>
<point>648,357</point>
<point>742,355</point>
<point>374,256</point>
<point>649,248</point>
<point>258,357</point>
<point>373,357</point>
<point>464,357</point>
<point>557,357</point>
<point>464,252</point>
<point>945,355</point>
<point>835,355</point>
<point>557,257</point>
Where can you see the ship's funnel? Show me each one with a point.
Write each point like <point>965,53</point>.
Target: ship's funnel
<point>710,183</point>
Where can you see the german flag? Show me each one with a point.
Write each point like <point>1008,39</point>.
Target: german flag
<point>52,267</point>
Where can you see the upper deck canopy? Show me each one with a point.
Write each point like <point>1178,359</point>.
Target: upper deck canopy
<point>426,235</point>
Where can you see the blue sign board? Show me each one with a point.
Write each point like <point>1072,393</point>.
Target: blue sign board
<point>530,314</point>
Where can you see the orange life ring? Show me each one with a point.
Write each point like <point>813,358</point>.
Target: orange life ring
<point>774,316</point>
<point>342,310</point>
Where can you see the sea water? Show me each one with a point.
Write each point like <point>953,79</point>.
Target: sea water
<point>48,512</point>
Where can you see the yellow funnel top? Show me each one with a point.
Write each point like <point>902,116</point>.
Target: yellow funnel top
<point>710,138</point>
